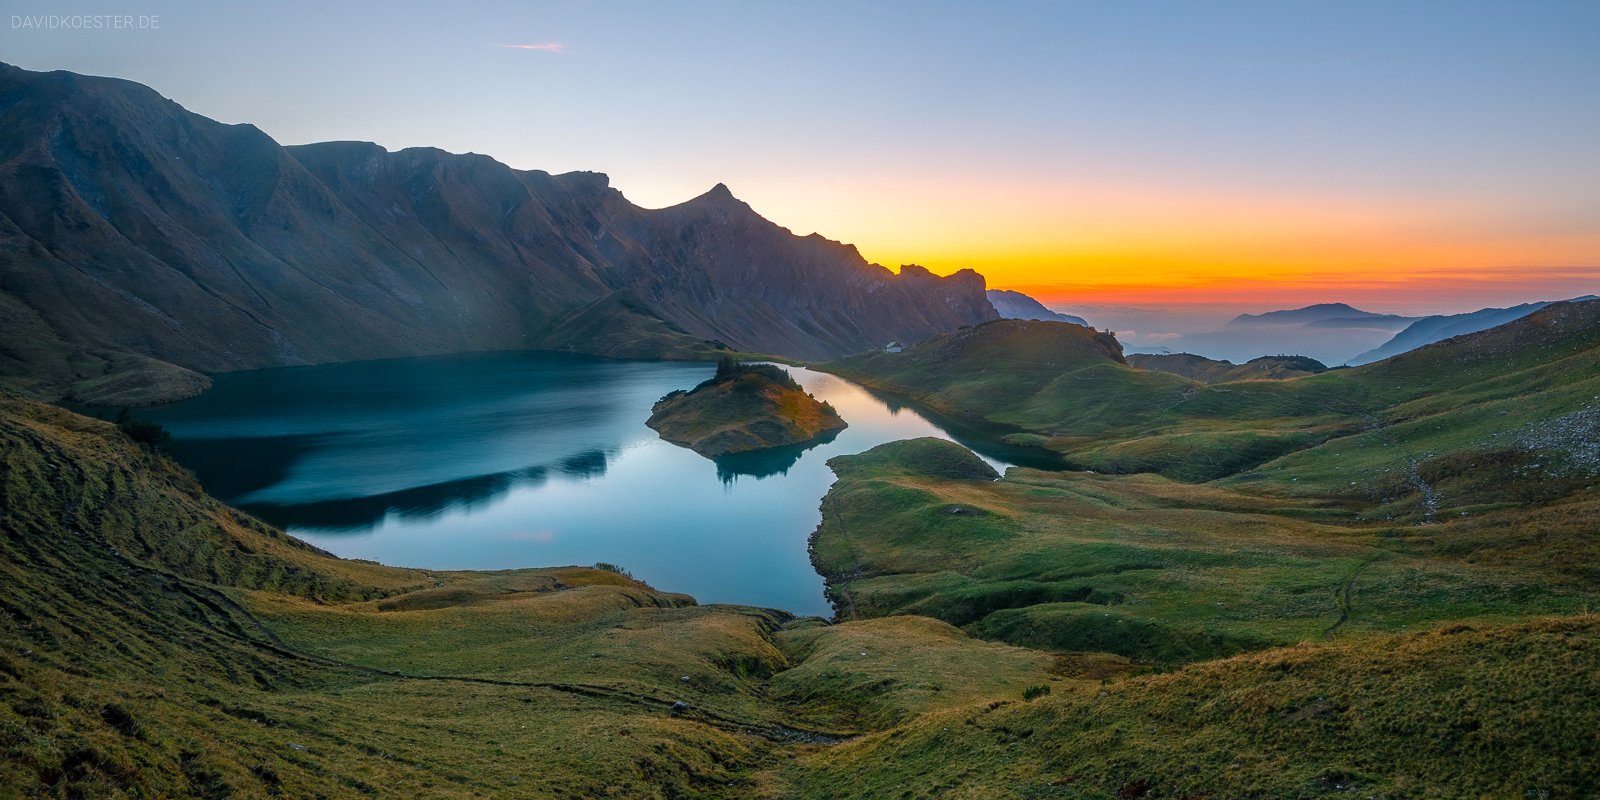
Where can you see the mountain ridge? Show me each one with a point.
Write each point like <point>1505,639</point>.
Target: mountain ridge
<point>132,229</point>
<point>1327,332</point>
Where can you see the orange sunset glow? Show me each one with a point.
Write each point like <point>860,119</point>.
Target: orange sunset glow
<point>1198,244</point>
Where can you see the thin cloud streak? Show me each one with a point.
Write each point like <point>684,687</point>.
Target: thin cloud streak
<point>549,47</point>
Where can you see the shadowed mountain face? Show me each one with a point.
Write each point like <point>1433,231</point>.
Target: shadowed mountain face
<point>135,236</point>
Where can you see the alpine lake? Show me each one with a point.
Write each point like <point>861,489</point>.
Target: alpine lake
<point>521,459</point>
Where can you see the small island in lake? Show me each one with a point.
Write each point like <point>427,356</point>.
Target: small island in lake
<point>744,407</point>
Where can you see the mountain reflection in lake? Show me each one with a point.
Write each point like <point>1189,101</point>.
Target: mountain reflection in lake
<point>501,460</point>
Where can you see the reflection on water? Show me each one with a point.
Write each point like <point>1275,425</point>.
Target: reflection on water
<point>499,460</point>
<point>768,462</point>
<point>418,504</point>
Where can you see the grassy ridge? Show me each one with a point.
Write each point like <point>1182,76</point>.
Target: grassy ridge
<point>1208,370</point>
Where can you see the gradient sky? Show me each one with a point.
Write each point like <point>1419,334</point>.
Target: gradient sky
<point>1403,155</point>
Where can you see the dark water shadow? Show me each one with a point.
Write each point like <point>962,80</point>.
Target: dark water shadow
<point>360,514</point>
<point>587,464</point>
<point>217,461</point>
<point>768,462</point>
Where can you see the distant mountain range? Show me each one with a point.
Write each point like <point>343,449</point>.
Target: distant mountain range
<point>1428,330</point>
<point>141,244</point>
<point>1016,305</point>
<point>1327,332</point>
<point>1333,315</point>
<point>1330,333</point>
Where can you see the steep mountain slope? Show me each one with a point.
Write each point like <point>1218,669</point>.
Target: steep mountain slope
<point>131,229</point>
<point>1432,329</point>
<point>1016,305</point>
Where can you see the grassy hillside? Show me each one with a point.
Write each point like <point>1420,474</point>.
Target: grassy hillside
<point>37,362</point>
<point>1067,389</point>
<point>1163,572</point>
<point>1453,482</point>
<point>157,643</point>
<point>1462,711</point>
<point>1210,370</point>
<point>1498,420</point>
<point>150,651</point>
<point>1394,658</point>
<point>1366,611</point>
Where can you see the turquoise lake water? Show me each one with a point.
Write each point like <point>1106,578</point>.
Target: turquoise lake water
<point>502,460</point>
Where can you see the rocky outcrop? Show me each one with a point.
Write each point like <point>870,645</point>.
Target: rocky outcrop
<point>744,408</point>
